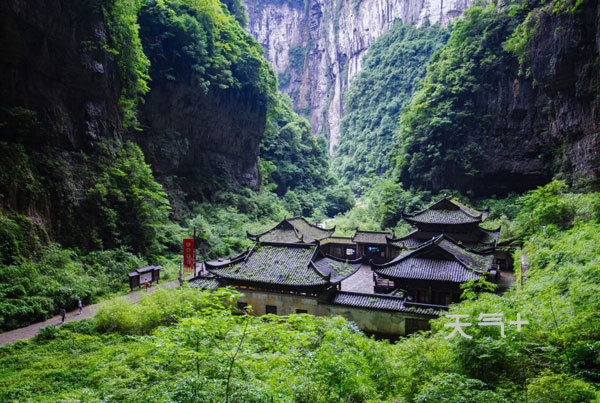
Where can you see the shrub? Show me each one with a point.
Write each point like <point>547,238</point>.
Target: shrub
<point>162,307</point>
<point>560,388</point>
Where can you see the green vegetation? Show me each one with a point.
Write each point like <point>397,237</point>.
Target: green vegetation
<point>201,43</point>
<point>297,54</point>
<point>238,9</point>
<point>440,128</point>
<point>379,93</point>
<point>296,163</point>
<point>35,289</point>
<point>106,199</point>
<point>132,206</point>
<point>121,16</point>
<point>531,14</point>
<point>194,336</point>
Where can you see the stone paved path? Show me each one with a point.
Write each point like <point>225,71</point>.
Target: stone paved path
<point>361,281</point>
<point>87,312</point>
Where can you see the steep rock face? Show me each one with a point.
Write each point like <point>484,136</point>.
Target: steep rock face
<point>196,139</point>
<point>58,98</point>
<point>316,46</point>
<point>564,58</point>
<point>52,67</point>
<point>532,113</point>
<point>549,121</point>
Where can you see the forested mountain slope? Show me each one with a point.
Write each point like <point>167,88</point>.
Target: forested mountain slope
<point>78,73</point>
<point>510,101</point>
<point>123,124</point>
<point>392,68</point>
<point>317,46</point>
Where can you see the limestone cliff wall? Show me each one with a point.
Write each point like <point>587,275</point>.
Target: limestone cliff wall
<point>316,46</point>
<point>58,99</point>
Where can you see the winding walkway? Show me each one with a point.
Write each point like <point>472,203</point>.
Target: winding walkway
<point>88,311</point>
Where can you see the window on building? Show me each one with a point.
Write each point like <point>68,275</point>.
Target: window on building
<point>271,309</point>
<point>301,311</point>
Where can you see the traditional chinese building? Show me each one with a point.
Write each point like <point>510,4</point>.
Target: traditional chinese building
<point>373,245</point>
<point>277,266</point>
<point>290,269</point>
<point>293,230</point>
<point>446,248</point>
<point>298,267</point>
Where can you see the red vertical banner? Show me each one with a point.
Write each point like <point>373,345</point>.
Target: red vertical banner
<point>188,255</point>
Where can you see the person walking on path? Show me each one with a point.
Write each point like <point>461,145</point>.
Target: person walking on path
<point>147,286</point>
<point>80,305</point>
<point>63,314</point>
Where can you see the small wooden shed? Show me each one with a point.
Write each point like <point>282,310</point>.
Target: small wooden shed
<point>149,274</point>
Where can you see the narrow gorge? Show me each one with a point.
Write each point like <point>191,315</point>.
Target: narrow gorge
<point>316,46</point>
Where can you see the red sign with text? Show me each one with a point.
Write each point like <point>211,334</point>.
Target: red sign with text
<point>188,254</point>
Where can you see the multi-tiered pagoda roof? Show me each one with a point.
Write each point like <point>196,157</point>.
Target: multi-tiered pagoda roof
<point>447,211</point>
<point>447,245</point>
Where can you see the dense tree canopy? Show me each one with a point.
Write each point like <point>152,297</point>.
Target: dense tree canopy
<point>439,130</point>
<point>391,70</point>
<point>193,336</point>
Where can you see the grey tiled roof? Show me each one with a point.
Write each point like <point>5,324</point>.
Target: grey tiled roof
<point>288,265</point>
<point>443,217</point>
<point>382,302</point>
<point>487,241</point>
<point>440,259</point>
<point>309,231</point>
<point>375,237</point>
<point>292,230</point>
<point>337,240</point>
<point>205,283</point>
<point>429,269</point>
<point>281,235</point>
<point>475,261</point>
<point>339,269</point>
<point>446,211</point>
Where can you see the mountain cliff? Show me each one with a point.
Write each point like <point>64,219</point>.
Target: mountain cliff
<point>317,46</point>
<point>510,102</point>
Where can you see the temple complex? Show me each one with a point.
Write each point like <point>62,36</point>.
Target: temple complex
<point>387,285</point>
<point>446,248</point>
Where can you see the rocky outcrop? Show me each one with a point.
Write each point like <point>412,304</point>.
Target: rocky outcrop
<point>54,71</point>
<point>316,46</point>
<point>58,99</point>
<point>564,59</point>
<point>60,123</point>
<point>547,119</point>
<point>196,139</point>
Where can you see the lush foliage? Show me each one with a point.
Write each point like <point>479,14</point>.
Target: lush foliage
<point>121,16</point>
<point>209,351</point>
<point>35,289</point>
<point>378,94</point>
<point>297,163</point>
<point>531,14</point>
<point>131,206</point>
<point>202,43</point>
<point>438,136</point>
<point>162,307</point>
